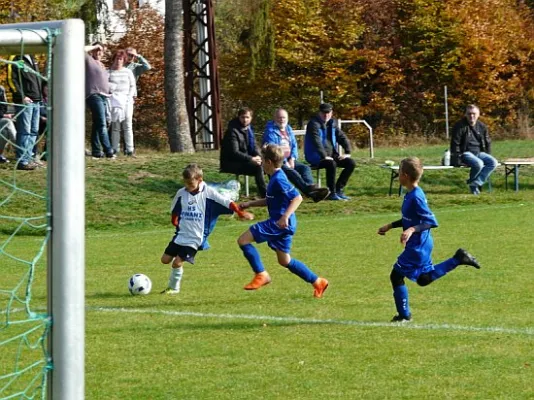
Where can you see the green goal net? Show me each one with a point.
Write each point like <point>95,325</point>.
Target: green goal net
<point>42,210</point>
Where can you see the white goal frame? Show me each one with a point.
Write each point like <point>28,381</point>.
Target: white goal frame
<point>66,186</point>
<point>369,128</point>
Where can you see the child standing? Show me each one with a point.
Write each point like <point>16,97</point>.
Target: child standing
<point>282,201</point>
<point>415,261</point>
<point>195,209</point>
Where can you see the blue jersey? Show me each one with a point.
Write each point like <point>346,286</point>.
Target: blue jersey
<point>280,192</point>
<point>418,250</point>
<point>197,214</point>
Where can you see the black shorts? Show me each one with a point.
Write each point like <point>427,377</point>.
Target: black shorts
<point>184,252</point>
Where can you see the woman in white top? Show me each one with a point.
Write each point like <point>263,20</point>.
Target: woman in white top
<point>123,91</point>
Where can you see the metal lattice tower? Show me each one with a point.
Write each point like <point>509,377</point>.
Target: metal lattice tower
<point>202,78</point>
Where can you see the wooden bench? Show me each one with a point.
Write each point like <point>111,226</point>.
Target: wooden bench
<point>395,173</point>
<point>511,166</point>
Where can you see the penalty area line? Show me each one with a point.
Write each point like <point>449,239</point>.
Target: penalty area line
<point>411,325</point>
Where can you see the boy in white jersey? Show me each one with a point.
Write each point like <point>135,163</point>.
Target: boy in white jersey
<point>195,209</point>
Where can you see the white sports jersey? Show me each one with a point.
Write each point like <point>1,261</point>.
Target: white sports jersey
<point>197,215</point>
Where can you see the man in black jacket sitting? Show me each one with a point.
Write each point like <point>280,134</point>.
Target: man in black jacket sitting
<point>471,145</point>
<point>239,153</point>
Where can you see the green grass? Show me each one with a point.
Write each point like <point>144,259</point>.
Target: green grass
<point>472,335</point>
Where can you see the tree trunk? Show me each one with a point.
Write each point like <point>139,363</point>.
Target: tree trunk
<point>175,99</point>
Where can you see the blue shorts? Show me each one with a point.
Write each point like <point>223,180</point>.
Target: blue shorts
<point>276,237</point>
<point>412,273</point>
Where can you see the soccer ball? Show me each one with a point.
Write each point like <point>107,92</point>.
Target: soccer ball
<point>139,284</point>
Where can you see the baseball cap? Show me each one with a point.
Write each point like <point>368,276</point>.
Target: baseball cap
<point>326,107</point>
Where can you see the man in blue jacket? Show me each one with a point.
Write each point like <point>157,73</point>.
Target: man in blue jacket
<point>279,132</point>
<point>321,150</point>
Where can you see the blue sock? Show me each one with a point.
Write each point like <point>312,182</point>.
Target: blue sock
<point>443,268</point>
<point>253,257</point>
<point>400,294</point>
<point>301,270</point>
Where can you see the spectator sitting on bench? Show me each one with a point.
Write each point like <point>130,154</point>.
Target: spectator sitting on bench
<point>471,145</point>
<point>320,148</point>
<point>239,153</point>
<point>279,132</point>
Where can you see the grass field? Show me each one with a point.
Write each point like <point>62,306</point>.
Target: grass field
<point>472,336</point>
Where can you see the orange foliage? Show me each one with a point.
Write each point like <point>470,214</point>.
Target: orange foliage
<point>387,61</point>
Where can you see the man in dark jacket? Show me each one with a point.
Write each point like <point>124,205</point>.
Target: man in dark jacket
<point>25,84</point>
<point>321,150</point>
<point>471,145</point>
<point>239,154</point>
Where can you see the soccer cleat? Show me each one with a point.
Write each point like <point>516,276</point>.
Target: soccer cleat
<point>130,154</point>
<point>3,160</point>
<point>464,258</point>
<point>320,285</point>
<point>170,291</point>
<point>260,279</point>
<point>401,319</point>
<point>319,194</point>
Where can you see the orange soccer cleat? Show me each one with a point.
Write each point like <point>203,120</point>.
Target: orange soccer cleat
<point>260,279</point>
<point>320,286</point>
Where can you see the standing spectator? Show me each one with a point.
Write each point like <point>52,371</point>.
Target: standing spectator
<point>43,117</point>
<point>239,153</point>
<point>122,84</point>
<point>279,132</point>
<point>321,150</point>
<point>471,145</point>
<point>7,127</point>
<point>136,63</point>
<point>96,95</point>
<point>25,84</point>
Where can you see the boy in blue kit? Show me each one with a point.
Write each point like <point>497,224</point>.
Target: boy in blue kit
<point>415,261</point>
<point>195,209</point>
<point>282,201</point>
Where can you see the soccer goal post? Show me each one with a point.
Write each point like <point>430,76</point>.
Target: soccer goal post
<point>63,42</point>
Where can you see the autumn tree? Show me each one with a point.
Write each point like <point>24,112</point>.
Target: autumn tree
<point>384,60</point>
<point>175,99</point>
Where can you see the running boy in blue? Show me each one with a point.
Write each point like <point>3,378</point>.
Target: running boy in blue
<point>194,210</point>
<point>282,201</point>
<point>415,262</point>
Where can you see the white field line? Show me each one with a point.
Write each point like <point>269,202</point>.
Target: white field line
<point>307,219</point>
<point>411,325</point>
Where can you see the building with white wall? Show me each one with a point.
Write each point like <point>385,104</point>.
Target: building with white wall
<point>111,18</point>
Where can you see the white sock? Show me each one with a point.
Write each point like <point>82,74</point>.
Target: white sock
<point>175,278</point>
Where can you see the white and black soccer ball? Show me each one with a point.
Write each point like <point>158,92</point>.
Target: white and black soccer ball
<point>139,284</point>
